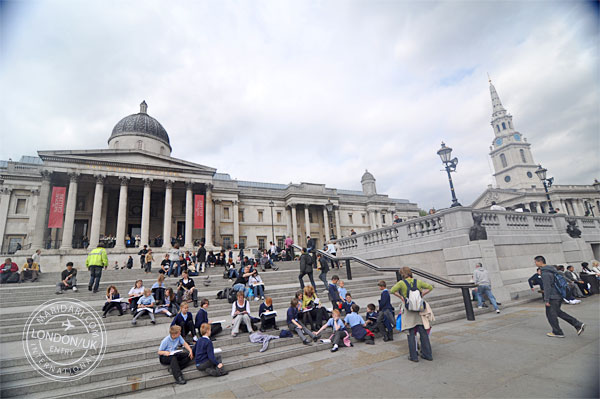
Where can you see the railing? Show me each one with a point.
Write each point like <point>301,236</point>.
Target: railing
<point>464,287</point>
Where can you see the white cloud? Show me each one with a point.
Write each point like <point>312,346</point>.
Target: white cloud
<point>310,91</point>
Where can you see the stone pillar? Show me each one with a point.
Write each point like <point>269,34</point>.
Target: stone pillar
<point>372,220</point>
<point>122,214</point>
<point>338,228</point>
<point>326,223</point>
<point>378,219</point>
<point>288,222</point>
<point>218,208</point>
<point>104,212</point>
<point>307,219</point>
<point>41,215</point>
<point>579,207</point>
<point>97,212</point>
<point>294,225</point>
<point>145,213</point>
<point>4,202</point>
<point>67,236</point>
<point>189,213</point>
<point>208,218</point>
<point>236,224</point>
<point>168,220</point>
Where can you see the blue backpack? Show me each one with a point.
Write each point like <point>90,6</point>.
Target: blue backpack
<point>561,285</point>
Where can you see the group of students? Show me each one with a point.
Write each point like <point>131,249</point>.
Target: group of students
<point>576,286</point>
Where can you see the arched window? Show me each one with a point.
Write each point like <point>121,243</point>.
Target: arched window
<point>503,126</point>
<point>498,127</point>
<point>523,156</point>
<point>503,160</point>
<point>162,150</point>
<point>140,144</point>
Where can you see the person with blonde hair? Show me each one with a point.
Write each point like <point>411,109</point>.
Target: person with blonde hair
<point>169,353</point>
<point>240,311</point>
<point>206,360</point>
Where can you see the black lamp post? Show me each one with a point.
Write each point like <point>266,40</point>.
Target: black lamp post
<point>329,207</point>
<point>272,204</point>
<point>450,164</point>
<point>541,173</point>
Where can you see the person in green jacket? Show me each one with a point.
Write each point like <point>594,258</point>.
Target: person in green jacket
<point>95,262</point>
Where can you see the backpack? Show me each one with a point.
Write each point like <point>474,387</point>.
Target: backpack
<point>231,295</point>
<point>414,301</point>
<point>224,294</point>
<point>561,285</point>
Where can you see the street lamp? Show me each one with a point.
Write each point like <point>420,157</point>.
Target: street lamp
<point>329,207</point>
<point>272,204</point>
<point>541,173</point>
<point>450,164</point>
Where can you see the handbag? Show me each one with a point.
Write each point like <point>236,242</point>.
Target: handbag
<point>399,322</point>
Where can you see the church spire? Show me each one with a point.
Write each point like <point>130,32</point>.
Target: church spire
<point>498,109</point>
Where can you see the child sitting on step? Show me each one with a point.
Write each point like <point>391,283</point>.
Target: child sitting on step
<point>358,326</point>
<point>334,294</point>
<point>338,328</point>
<point>202,317</point>
<point>347,303</point>
<point>112,301</point>
<point>145,305</point>
<point>185,320</point>
<point>371,318</point>
<point>170,354</point>
<point>341,290</point>
<point>206,360</point>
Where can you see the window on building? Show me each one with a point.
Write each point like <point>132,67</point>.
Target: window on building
<point>510,124</point>
<point>350,218</point>
<point>226,241</point>
<point>162,150</point>
<point>226,213</point>
<point>21,203</point>
<point>260,216</point>
<point>498,127</point>
<point>241,215</point>
<point>503,126</point>
<point>278,217</point>
<point>364,219</point>
<point>242,242</point>
<point>383,218</point>
<point>182,207</point>
<point>140,144</point>
<point>503,160</point>
<point>280,241</point>
<point>523,155</point>
<point>261,242</point>
<point>80,204</point>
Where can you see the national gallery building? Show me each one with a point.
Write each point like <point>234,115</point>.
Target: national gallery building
<point>70,199</point>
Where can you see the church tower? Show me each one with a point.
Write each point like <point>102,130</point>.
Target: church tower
<point>514,166</point>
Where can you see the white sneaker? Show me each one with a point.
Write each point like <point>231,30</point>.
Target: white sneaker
<point>335,348</point>
<point>575,301</point>
<point>74,289</point>
<point>195,339</point>
<point>566,301</point>
<point>256,298</point>
<point>479,307</point>
<point>497,310</point>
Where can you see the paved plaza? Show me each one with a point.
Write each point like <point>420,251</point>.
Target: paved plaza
<point>500,356</point>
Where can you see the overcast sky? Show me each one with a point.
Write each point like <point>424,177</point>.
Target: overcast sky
<point>314,91</point>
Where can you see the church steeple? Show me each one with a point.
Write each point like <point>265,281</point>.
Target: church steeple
<point>498,109</point>
<point>501,120</point>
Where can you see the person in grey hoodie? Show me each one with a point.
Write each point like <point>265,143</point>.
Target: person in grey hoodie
<point>484,287</point>
<point>553,301</point>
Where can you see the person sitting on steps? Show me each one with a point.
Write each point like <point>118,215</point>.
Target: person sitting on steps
<point>112,301</point>
<point>169,353</point>
<point>68,279</point>
<point>240,311</point>
<point>206,360</point>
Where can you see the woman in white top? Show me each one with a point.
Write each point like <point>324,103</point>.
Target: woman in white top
<point>240,311</point>
<point>135,293</point>
<point>258,286</point>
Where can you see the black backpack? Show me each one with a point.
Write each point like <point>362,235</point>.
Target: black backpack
<point>231,295</point>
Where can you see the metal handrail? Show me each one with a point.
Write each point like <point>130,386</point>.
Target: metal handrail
<point>464,287</point>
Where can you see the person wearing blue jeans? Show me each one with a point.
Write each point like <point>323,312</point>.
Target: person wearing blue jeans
<point>177,268</point>
<point>482,279</point>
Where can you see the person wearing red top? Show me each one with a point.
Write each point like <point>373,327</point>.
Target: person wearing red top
<point>8,269</point>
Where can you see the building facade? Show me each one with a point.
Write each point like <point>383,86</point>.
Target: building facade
<point>517,185</point>
<point>134,188</point>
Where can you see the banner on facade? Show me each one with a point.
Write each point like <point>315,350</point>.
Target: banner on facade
<point>198,211</point>
<point>57,207</point>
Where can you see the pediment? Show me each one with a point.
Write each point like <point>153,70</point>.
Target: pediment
<point>124,158</point>
<point>497,195</point>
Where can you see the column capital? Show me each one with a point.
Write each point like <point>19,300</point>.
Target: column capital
<point>35,191</point>
<point>209,186</point>
<point>189,185</point>
<point>147,181</point>
<point>5,190</point>
<point>217,201</point>
<point>99,178</point>
<point>74,177</point>
<point>46,175</point>
<point>235,202</point>
<point>169,183</point>
<point>124,180</point>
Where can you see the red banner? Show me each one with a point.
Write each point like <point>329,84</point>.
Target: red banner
<point>57,207</point>
<point>198,211</point>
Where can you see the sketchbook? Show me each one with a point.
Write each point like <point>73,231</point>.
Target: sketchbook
<point>217,321</point>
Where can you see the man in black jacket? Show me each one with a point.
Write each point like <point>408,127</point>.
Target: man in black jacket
<point>574,277</point>
<point>306,267</point>
<point>553,301</point>
<point>201,257</point>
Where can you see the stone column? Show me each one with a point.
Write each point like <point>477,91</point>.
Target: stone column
<point>4,201</point>
<point>218,208</point>
<point>67,236</point>
<point>122,214</point>
<point>288,222</point>
<point>189,213</point>
<point>294,225</point>
<point>307,219</point>
<point>378,219</point>
<point>104,212</point>
<point>41,214</point>
<point>372,220</point>
<point>145,213</point>
<point>338,228</point>
<point>236,224</point>
<point>208,218</point>
<point>326,224</point>
<point>168,220</point>
<point>580,208</point>
<point>97,212</point>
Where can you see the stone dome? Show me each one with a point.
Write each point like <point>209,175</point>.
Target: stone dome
<point>141,124</point>
<point>367,176</point>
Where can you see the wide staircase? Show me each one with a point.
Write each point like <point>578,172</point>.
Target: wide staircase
<point>131,363</point>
